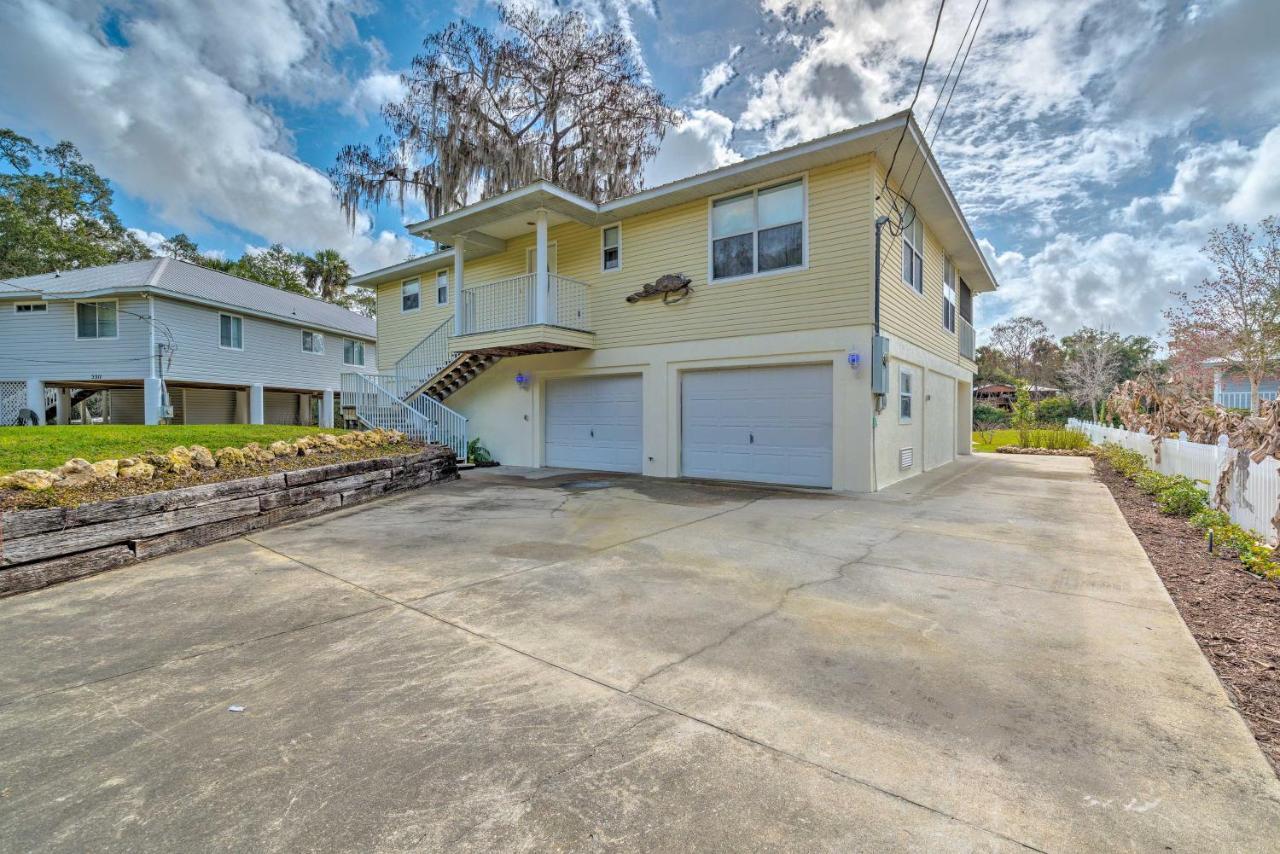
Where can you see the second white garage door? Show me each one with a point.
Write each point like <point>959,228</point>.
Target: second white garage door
<point>770,425</point>
<point>594,423</point>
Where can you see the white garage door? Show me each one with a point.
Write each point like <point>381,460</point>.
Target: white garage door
<point>771,425</point>
<point>939,419</point>
<point>594,423</point>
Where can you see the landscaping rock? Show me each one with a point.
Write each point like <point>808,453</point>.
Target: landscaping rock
<point>283,449</point>
<point>226,458</point>
<point>201,457</point>
<point>106,469</point>
<point>133,468</point>
<point>30,479</point>
<point>76,472</point>
<point>253,452</point>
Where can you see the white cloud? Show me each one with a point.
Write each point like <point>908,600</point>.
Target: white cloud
<point>170,117</point>
<point>701,142</point>
<point>718,76</point>
<point>1258,195</point>
<point>374,90</point>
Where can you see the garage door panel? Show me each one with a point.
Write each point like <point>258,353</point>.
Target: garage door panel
<point>770,425</point>
<point>594,423</point>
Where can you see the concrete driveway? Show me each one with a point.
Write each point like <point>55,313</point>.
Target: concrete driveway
<point>981,659</point>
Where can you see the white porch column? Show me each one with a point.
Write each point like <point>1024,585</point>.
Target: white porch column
<point>151,393</point>
<point>456,285</point>
<point>257,412</point>
<point>543,286</point>
<point>35,398</point>
<point>326,408</point>
<point>64,406</point>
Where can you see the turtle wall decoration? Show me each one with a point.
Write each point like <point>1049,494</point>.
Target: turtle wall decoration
<point>673,288</point>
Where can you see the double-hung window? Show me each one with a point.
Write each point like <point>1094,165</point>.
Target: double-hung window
<point>352,352</point>
<point>949,296</point>
<point>96,319</point>
<point>759,231</point>
<point>904,396</point>
<point>230,332</point>
<point>312,342</point>
<point>442,287</point>
<point>913,250</point>
<point>409,295</point>
<point>611,248</point>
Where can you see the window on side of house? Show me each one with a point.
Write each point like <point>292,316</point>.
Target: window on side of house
<point>611,248</point>
<point>30,308</point>
<point>96,319</point>
<point>904,396</point>
<point>949,296</point>
<point>913,250</point>
<point>442,287</point>
<point>409,295</point>
<point>312,342</point>
<point>230,332</point>
<point>758,231</point>
<point>352,352</point>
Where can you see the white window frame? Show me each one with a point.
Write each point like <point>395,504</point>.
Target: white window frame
<point>913,216</point>
<point>234,317</point>
<point>603,229</point>
<point>441,276</point>
<point>315,336</point>
<point>909,395</point>
<point>949,279</point>
<point>95,302</point>
<point>404,284</point>
<point>38,308</point>
<point>754,190</point>
<point>358,344</point>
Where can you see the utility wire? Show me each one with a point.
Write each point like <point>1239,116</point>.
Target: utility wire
<point>907,121</point>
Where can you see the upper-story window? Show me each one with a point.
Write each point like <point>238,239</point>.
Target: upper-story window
<point>611,247</point>
<point>30,307</point>
<point>312,342</point>
<point>949,296</point>
<point>913,250</point>
<point>230,332</point>
<point>758,231</point>
<point>96,319</point>
<point>409,295</point>
<point>442,287</point>
<point>352,352</point>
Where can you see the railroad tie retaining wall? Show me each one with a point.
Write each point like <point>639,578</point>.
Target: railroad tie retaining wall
<point>46,546</point>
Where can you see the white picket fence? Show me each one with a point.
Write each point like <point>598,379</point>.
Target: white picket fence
<point>1253,498</point>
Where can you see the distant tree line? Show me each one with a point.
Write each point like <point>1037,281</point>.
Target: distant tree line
<point>56,214</point>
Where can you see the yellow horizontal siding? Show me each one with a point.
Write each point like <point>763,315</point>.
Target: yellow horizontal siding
<point>833,290</point>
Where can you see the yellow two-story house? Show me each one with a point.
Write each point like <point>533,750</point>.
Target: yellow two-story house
<point>824,339</point>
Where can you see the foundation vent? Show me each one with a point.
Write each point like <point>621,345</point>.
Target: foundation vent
<point>906,458</point>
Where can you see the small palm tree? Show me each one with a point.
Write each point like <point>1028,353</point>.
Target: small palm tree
<point>327,275</point>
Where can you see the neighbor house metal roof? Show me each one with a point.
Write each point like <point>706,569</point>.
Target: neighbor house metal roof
<point>192,283</point>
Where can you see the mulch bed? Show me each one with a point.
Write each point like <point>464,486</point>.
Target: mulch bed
<point>104,490</point>
<point>1233,614</point>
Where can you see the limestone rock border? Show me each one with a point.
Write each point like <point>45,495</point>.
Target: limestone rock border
<point>48,545</point>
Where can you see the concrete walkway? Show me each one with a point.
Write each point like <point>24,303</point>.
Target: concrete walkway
<point>980,659</point>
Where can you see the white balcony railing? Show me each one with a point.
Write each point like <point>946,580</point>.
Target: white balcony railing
<point>964,334</point>
<point>513,303</point>
<point>1239,399</point>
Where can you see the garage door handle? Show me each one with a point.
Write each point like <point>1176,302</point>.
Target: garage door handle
<point>751,438</point>
<point>593,434</point>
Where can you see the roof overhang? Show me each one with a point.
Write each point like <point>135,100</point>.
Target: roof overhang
<point>486,225</point>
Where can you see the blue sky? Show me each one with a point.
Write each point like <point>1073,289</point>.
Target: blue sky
<point>1092,143</point>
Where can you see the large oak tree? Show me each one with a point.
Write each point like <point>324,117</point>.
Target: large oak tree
<point>483,114</point>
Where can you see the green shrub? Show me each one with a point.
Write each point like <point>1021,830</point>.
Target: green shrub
<point>1055,411</point>
<point>1181,497</point>
<point>1256,555</point>
<point>989,417</point>
<point>478,453</point>
<point>1128,464</point>
<point>1152,482</point>
<point>1056,439</point>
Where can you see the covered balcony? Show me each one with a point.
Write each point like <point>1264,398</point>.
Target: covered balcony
<point>532,313</point>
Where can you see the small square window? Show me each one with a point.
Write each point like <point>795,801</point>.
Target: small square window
<point>312,342</point>
<point>611,248</point>
<point>409,295</point>
<point>96,320</point>
<point>352,352</point>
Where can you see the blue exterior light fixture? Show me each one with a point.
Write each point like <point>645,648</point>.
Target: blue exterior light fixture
<point>523,379</point>
<point>854,360</point>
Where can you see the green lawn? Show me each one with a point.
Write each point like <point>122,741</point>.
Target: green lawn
<point>998,438</point>
<point>49,447</point>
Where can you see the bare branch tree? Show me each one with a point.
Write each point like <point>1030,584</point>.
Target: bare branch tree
<point>1235,316</point>
<point>1093,369</point>
<point>484,115</point>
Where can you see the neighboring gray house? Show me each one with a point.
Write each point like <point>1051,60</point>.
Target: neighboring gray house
<point>165,340</point>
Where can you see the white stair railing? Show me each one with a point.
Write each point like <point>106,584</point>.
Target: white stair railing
<point>427,420</point>
<point>424,361</point>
